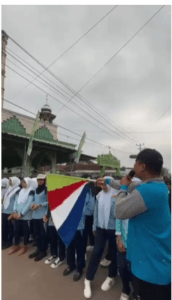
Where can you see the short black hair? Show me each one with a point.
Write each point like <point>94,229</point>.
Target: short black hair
<point>152,159</point>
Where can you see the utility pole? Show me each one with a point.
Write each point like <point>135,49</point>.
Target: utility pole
<point>140,146</point>
<point>4,39</point>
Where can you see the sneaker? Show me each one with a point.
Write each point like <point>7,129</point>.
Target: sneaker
<point>107,284</point>
<point>124,297</point>
<point>50,259</point>
<point>87,289</point>
<point>105,262</point>
<point>57,263</point>
<point>90,248</point>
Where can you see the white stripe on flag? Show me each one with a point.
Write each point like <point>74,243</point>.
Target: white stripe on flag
<point>61,213</point>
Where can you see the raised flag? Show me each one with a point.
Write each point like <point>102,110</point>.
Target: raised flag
<point>35,127</point>
<point>66,196</point>
<point>78,154</point>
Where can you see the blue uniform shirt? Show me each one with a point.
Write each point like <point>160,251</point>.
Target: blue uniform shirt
<point>24,208</point>
<point>9,209</point>
<point>40,199</point>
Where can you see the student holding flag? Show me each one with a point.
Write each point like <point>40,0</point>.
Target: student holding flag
<point>78,243</point>
<point>57,247</point>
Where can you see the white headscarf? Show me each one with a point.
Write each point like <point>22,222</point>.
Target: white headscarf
<point>104,204</point>
<point>24,193</point>
<point>34,183</point>
<point>4,186</point>
<point>11,191</point>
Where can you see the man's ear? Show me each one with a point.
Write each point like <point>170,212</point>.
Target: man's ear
<point>143,167</point>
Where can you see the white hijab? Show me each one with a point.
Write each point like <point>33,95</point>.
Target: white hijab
<point>12,189</point>
<point>104,204</point>
<point>34,183</point>
<point>24,193</point>
<point>4,186</point>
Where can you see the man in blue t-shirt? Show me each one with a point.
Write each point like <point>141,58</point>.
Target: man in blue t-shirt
<point>149,232</point>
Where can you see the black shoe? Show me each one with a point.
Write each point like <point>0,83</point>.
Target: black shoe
<point>34,254</point>
<point>77,275</point>
<point>68,271</point>
<point>40,256</point>
<point>6,246</point>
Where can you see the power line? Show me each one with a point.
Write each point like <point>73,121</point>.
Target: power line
<point>163,114</point>
<point>67,107</point>
<point>56,60</point>
<point>99,144</point>
<point>87,103</point>
<point>36,74</point>
<point>63,96</point>
<point>114,55</point>
<point>110,58</point>
<point>46,68</point>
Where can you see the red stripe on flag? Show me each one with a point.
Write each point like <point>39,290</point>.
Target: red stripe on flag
<point>58,196</point>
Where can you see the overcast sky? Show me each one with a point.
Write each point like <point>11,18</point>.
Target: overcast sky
<point>132,91</point>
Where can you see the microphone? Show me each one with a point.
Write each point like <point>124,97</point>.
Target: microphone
<point>131,174</point>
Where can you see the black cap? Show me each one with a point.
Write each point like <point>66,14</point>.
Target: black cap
<point>152,158</point>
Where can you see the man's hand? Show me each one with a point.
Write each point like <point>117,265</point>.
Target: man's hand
<point>102,183</point>
<point>95,233</point>
<point>125,181</point>
<point>121,246</point>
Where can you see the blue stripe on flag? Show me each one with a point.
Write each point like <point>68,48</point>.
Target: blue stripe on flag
<point>68,229</point>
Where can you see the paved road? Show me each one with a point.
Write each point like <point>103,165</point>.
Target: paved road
<point>24,279</point>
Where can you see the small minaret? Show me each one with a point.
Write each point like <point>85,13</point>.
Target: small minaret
<point>3,62</point>
<point>46,114</point>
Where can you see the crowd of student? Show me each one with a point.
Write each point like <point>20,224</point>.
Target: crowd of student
<point>132,216</point>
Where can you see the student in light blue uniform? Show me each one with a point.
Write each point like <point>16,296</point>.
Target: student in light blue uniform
<point>104,227</point>
<point>7,210</point>
<point>88,231</point>
<point>57,247</point>
<point>22,214</point>
<point>78,245</point>
<point>124,269</point>
<point>39,208</point>
<point>4,187</point>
